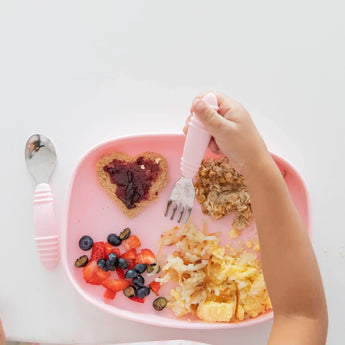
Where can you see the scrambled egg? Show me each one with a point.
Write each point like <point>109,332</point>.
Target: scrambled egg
<point>210,283</point>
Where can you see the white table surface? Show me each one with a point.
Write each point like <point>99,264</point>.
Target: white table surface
<point>82,72</point>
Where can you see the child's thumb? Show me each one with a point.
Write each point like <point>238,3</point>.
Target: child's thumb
<point>208,116</point>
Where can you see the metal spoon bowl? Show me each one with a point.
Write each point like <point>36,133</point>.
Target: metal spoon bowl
<point>40,157</point>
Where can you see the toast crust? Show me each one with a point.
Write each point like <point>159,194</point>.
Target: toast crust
<point>110,188</point>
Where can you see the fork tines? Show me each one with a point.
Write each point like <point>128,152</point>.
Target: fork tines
<point>178,206</point>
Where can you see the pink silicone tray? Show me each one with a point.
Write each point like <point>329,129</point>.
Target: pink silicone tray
<point>90,211</point>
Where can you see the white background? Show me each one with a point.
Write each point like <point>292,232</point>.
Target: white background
<point>82,72</point>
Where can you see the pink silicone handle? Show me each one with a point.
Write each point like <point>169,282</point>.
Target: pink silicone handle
<point>196,142</point>
<point>46,231</point>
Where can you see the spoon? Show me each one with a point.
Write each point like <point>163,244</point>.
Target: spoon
<point>40,158</point>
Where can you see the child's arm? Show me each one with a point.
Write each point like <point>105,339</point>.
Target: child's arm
<point>290,268</point>
<point>289,264</point>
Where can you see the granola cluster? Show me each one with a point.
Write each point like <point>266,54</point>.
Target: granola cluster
<point>221,190</point>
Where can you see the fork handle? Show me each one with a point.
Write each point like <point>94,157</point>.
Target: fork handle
<point>197,140</point>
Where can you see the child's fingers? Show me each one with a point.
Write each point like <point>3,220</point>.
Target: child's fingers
<point>195,100</point>
<point>214,147</point>
<point>225,103</point>
<point>201,96</point>
<point>2,335</point>
<point>211,119</point>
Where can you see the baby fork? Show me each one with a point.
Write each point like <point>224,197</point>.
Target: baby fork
<point>197,139</point>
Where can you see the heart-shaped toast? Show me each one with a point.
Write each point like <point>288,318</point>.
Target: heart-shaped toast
<point>132,182</point>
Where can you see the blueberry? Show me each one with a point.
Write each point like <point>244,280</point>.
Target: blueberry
<point>153,269</point>
<point>82,261</point>
<point>131,274</point>
<point>110,265</point>
<point>130,291</point>
<point>160,303</point>
<point>140,268</point>
<point>124,234</point>
<point>123,263</point>
<point>138,280</point>
<point>102,264</point>
<point>86,243</point>
<point>114,240</point>
<point>143,291</point>
<point>113,258</point>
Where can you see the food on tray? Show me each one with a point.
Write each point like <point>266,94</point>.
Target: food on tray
<point>94,274</point>
<point>82,261</point>
<point>119,269</point>
<point>155,287</point>
<point>129,291</point>
<point>160,303</point>
<point>211,283</point>
<point>85,243</point>
<point>221,190</point>
<point>153,269</point>
<point>132,182</point>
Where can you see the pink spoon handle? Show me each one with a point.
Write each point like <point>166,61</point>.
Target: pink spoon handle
<point>46,231</point>
<point>196,142</point>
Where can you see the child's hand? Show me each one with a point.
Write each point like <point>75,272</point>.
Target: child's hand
<point>300,317</point>
<point>233,132</point>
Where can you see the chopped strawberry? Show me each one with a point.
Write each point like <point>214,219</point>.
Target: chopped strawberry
<point>120,273</point>
<point>116,251</point>
<point>131,263</point>
<point>116,284</point>
<point>109,294</point>
<point>131,242</point>
<point>93,274</point>
<point>146,256</point>
<point>98,251</point>
<point>139,259</point>
<point>110,249</point>
<point>155,286</point>
<point>130,254</point>
<point>137,299</point>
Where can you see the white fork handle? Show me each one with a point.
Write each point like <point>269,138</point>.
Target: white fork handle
<point>196,142</point>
